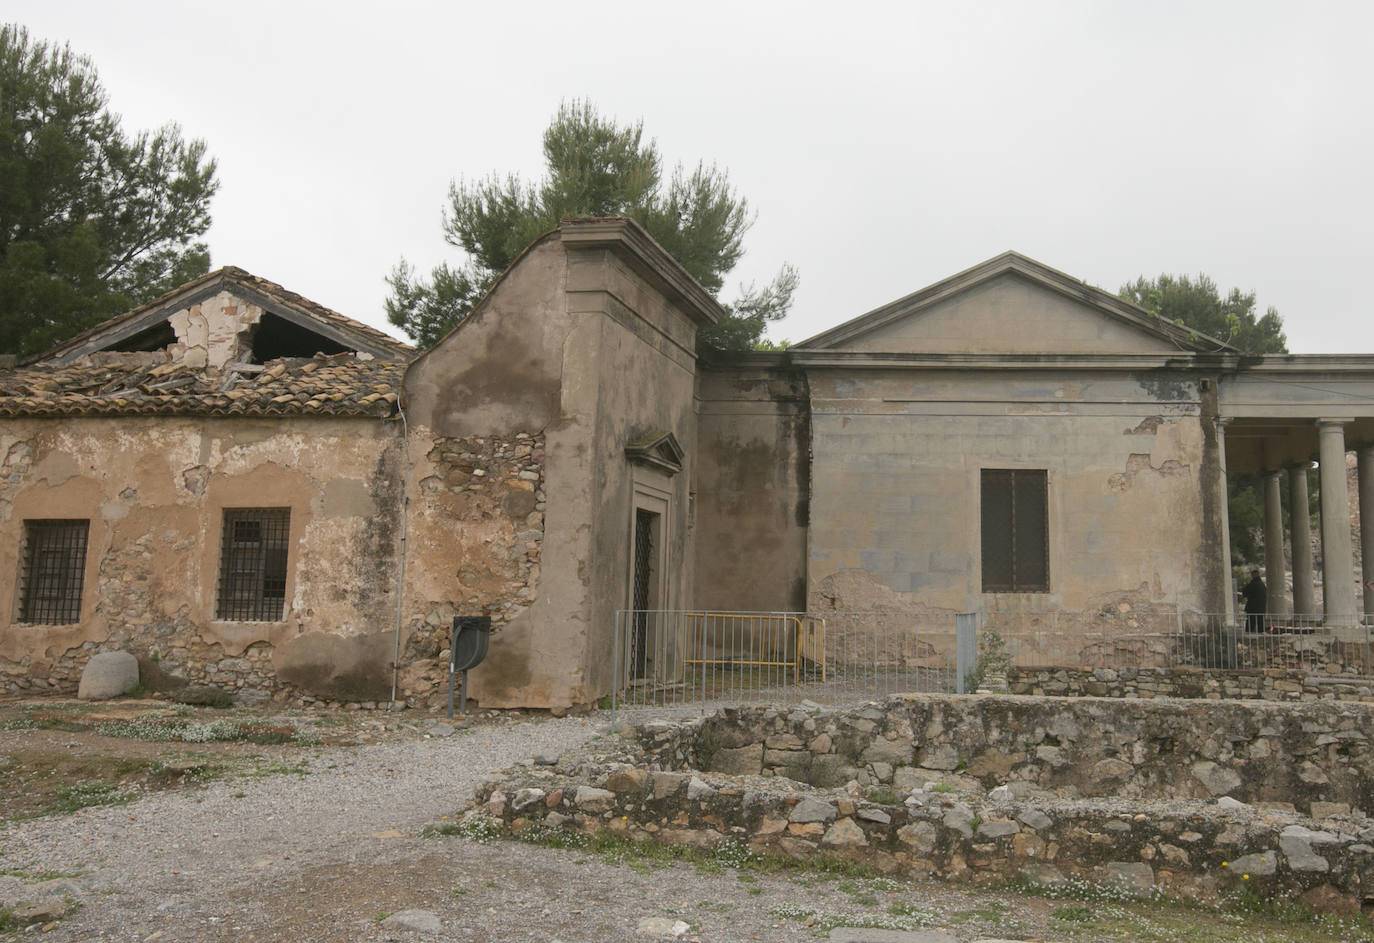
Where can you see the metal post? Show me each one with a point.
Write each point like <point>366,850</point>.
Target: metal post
<point>450,681</point>
<point>615,663</point>
<point>965,649</point>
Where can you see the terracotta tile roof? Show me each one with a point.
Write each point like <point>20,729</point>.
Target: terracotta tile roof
<point>149,384</point>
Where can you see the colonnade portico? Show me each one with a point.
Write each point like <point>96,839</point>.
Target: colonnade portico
<point>1339,605</point>
<point>1278,416</point>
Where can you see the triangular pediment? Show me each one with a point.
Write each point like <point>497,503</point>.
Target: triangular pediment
<point>660,450</point>
<point>1011,305</point>
<point>230,315</point>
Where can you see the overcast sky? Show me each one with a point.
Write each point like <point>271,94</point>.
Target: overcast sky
<point>883,146</point>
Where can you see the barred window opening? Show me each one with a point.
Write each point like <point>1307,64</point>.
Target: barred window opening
<point>1015,509</point>
<point>54,570</point>
<point>252,567</point>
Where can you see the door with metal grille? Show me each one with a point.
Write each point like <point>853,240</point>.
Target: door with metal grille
<point>643,595</point>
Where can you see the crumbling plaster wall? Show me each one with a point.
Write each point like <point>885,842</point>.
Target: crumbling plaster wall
<point>154,490</point>
<point>896,486</point>
<point>640,348</point>
<point>578,351</point>
<point>215,332</point>
<point>753,489</point>
<point>499,375</point>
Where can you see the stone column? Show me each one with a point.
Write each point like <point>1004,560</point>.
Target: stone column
<point>1338,564</point>
<point>1366,458</point>
<point>1274,570</point>
<point>1300,524</point>
<point>1228,602</point>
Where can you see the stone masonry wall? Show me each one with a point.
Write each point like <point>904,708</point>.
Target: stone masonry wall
<point>476,530</point>
<point>1144,793</point>
<point>1273,684</point>
<point>479,533</point>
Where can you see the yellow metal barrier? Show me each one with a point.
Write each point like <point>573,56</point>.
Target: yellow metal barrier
<point>808,641</point>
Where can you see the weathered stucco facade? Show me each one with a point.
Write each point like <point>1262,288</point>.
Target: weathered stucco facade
<point>590,340</point>
<point>247,490</point>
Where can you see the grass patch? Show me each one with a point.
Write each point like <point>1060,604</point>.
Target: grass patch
<point>163,730</point>
<point>89,793</point>
<point>824,920</point>
<point>1073,913</point>
<point>1109,912</point>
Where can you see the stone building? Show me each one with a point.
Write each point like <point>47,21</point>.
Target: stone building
<point>246,489</point>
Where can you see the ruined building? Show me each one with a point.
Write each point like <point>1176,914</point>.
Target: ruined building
<point>246,489</point>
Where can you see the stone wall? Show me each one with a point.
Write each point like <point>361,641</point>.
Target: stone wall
<point>1193,798</point>
<point>476,547</point>
<point>1273,684</point>
<point>155,489</point>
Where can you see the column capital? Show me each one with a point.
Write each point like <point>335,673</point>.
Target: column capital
<point>1327,421</point>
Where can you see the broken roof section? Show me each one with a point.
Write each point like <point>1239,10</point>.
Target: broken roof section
<point>1012,304</point>
<point>287,324</point>
<point>228,343</point>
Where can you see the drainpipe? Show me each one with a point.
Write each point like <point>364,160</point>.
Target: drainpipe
<point>401,569</point>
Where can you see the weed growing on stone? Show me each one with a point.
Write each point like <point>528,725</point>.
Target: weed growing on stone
<point>884,795</point>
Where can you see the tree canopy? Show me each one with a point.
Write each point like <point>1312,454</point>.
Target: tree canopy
<point>93,221</point>
<point>1198,304</point>
<point>595,167</point>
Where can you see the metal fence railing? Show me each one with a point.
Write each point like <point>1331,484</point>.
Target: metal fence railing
<point>678,657</point>
<point>1179,638</point>
<point>697,658</point>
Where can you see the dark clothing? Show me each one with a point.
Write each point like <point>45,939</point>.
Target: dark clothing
<point>1256,599</point>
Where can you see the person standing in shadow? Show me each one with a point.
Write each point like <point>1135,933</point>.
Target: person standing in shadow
<point>1256,599</point>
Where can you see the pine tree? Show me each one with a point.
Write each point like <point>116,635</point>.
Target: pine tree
<point>595,168</point>
<point>93,221</point>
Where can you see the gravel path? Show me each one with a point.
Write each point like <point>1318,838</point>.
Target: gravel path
<point>323,855</point>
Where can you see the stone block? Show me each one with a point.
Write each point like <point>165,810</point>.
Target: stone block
<point>844,834</point>
<point>591,799</point>
<point>1264,864</point>
<point>1217,780</point>
<point>741,761</point>
<point>627,780</point>
<point>812,810</point>
<point>107,675</point>
<point>1324,810</point>
<point>1134,876</point>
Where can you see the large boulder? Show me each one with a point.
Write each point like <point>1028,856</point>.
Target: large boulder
<point>107,675</point>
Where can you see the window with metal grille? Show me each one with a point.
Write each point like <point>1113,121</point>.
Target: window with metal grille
<point>54,569</point>
<point>252,564</point>
<point>1016,554</point>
